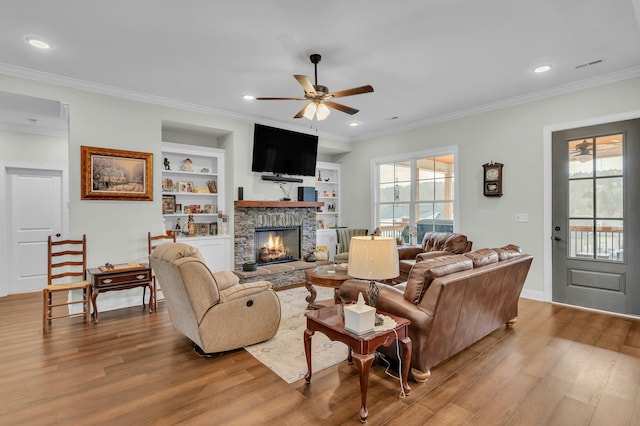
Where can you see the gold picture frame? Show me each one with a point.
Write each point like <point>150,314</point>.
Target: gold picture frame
<point>113,174</point>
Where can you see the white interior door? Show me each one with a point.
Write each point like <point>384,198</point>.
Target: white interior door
<point>35,201</point>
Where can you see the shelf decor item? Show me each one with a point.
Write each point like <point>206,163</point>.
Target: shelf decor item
<point>113,174</point>
<point>168,204</point>
<point>492,179</point>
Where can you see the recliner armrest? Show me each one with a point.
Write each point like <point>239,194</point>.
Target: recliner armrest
<point>242,290</point>
<point>408,252</point>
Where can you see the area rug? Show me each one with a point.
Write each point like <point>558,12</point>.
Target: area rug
<point>284,353</point>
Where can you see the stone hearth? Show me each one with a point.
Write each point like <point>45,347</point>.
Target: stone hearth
<point>251,214</point>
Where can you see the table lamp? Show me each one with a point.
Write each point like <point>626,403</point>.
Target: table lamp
<point>373,258</point>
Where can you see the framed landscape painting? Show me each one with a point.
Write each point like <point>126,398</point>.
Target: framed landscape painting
<point>113,174</point>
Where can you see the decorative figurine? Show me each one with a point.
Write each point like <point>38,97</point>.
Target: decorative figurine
<point>167,165</point>
<point>186,165</point>
<point>319,176</point>
<point>191,227</point>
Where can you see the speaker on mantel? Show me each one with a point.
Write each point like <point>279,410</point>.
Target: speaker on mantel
<point>240,193</point>
<point>306,193</point>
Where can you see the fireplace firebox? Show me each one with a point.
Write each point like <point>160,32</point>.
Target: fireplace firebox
<point>277,244</point>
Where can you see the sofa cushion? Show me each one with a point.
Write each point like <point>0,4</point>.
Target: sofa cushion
<point>482,257</point>
<point>424,272</point>
<point>444,241</point>
<point>508,251</point>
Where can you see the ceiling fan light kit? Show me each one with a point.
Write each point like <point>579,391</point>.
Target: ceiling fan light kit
<point>319,96</point>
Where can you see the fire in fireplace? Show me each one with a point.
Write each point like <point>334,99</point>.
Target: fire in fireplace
<point>277,244</point>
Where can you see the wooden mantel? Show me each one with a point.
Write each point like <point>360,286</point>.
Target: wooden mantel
<point>291,204</point>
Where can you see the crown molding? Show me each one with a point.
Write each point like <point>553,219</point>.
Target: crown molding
<point>133,95</point>
<point>510,102</point>
<point>102,89</point>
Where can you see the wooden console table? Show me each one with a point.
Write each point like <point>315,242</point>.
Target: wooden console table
<point>330,322</point>
<point>120,278</point>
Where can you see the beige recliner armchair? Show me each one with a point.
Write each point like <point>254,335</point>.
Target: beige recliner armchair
<point>212,309</point>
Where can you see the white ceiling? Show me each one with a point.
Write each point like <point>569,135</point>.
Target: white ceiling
<point>426,59</point>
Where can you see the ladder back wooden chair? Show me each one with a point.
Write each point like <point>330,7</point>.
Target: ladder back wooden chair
<point>66,271</point>
<point>153,242</point>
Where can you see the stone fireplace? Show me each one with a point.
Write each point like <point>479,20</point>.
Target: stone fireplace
<point>277,244</point>
<point>252,216</point>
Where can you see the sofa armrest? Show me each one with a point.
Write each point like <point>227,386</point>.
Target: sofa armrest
<point>243,290</point>
<point>431,255</point>
<point>408,252</point>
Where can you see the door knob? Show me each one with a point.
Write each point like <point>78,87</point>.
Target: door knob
<point>58,234</point>
<point>557,238</point>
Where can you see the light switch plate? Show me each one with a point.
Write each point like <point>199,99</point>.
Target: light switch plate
<point>522,218</point>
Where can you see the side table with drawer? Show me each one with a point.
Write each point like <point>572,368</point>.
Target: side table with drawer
<point>122,277</point>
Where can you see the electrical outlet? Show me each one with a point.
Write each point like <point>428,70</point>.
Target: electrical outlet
<point>522,218</point>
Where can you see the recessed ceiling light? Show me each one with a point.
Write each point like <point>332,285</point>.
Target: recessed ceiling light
<point>38,42</point>
<point>248,97</point>
<point>354,124</point>
<point>541,69</point>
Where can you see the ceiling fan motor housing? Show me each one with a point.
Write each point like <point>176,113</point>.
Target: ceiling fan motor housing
<point>321,90</point>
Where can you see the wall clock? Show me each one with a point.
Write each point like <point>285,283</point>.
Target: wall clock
<point>492,179</point>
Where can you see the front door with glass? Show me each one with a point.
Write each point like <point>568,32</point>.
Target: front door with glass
<point>595,230</point>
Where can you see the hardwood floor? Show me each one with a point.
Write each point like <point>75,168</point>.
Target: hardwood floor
<point>557,366</point>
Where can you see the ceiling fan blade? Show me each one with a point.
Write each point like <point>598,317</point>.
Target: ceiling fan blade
<point>306,84</point>
<point>351,92</point>
<point>280,99</point>
<point>341,107</point>
<point>300,113</point>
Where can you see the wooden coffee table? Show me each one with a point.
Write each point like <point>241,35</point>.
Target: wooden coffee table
<point>330,322</point>
<point>324,276</point>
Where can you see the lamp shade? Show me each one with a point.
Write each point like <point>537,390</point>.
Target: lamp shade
<point>373,258</point>
<point>322,112</point>
<point>310,111</point>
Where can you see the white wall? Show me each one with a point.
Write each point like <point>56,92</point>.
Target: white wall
<point>41,149</point>
<point>116,230</point>
<point>513,136</point>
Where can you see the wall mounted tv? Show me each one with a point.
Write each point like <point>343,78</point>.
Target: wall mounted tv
<point>283,152</point>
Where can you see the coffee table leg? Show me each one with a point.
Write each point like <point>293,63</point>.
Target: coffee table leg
<point>363,362</point>
<point>312,296</point>
<point>307,352</point>
<point>405,347</point>
<point>336,296</point>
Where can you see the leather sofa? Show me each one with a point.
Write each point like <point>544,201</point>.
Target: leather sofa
<point>434,244</point>
<point>452,301</point>
<point>212,309</point>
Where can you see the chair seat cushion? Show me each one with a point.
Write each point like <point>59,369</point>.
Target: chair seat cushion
<point>67,286</point>
<point>242,290</point>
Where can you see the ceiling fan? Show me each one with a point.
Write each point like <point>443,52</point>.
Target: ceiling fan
<point>320,97</point>
<point>582,151</point>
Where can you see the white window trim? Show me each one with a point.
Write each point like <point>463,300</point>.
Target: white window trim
<point>436,152</point>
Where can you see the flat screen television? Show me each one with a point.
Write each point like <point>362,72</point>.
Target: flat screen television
<point>283,152</point>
